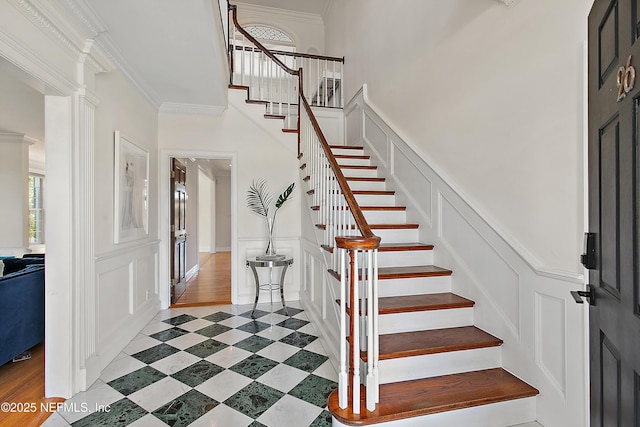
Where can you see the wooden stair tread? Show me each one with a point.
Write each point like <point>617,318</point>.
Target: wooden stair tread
<point>433,341</point>
<point>346,147</point>
<point>290,130</point>
<point>396,247</point>
<point>425,302</point>
<point>275,116</point>
<point>364,179</point>
<point>351,156</point>
<point>385,273</point>
<point>359,167</point>
<point>374,192</point>
<point>425,396</point>
<point>412,271</point>
<point>410,246</point>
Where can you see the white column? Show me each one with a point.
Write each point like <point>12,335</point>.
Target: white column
<point>14,190</point>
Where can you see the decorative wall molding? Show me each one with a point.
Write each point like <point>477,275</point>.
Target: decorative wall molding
<point>283,14</point>
<point>507,2</point>
<point>195,109</point>
<point>60,33</point>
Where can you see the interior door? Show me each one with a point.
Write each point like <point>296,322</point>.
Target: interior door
<point>178,229</point>
<point>614,317</point>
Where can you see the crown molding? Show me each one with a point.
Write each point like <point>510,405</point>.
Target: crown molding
<point>193,109</point>
<point>61,27</point>
<point>507,2</point>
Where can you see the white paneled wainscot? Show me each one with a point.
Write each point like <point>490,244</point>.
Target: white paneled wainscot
<point>517,299</point>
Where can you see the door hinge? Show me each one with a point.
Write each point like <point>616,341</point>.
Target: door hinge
<point>173,174</point>
<point>173,282</point>
<point>173,228</point>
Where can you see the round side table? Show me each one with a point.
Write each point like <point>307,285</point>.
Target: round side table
<point>283,262</point>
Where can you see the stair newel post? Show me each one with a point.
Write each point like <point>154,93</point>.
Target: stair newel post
<point>343,380</point>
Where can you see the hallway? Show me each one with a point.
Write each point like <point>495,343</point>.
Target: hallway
<point>212,284</point>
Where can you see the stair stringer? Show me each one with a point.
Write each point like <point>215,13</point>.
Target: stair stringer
<point>529,308</point>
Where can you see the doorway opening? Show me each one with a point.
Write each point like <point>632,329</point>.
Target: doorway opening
<point>200,221</point>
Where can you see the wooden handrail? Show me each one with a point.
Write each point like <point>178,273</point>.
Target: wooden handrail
<point>234,9</point>
<point>369,240</point>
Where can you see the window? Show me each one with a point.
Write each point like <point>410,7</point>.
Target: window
<point>36,210</point>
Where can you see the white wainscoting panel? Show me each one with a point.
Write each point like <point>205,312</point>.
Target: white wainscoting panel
<point>551,343</point>
<point>492,273</point>
<point>126,300</point>
<point>522,302</point>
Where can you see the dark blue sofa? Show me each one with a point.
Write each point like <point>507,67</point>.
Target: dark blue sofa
<point>21,311</point>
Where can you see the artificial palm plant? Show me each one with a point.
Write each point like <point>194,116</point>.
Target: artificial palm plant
<point>260,201</point>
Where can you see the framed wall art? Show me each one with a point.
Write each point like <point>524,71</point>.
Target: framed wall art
<point>131,206</point>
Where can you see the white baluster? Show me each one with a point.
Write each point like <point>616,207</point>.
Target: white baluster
<point>371,314</point>
<point>343,398</point>
<point>356,337</point>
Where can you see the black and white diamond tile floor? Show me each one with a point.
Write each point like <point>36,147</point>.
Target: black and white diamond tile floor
<point>212,366</point>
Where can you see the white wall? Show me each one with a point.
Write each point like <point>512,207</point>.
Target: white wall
<point>491,96</point>
<point>223,213</point>
<point>260,150</point>
<point>204,212</point>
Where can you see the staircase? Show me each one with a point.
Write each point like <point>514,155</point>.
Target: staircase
<point>423,362</point>
<point>435,366</point>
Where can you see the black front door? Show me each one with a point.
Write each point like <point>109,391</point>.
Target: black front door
<point>614,318</point>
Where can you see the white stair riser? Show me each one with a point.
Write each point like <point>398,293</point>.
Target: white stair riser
<point>367,185</point>
<point>401,235</point>
<point>385,217</point>
<point>414,286</point>
<point>347,152</point>
<point>433,365</point>
<point>425,320</point>
<point>501,414</point>
<point>364,173</point>
<point>404,258</point>
<point>375,200</point>
<point>356,162</point>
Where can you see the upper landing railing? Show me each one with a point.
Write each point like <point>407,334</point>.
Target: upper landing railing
<point>281,80</point>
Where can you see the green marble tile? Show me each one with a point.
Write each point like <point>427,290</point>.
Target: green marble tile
<point>258,314</point>
<point>254,327</point>
<point>185,409</point>
<point>156,353</point>
<point>196,374</point>
<point>323,420</point>
<point>218,317</point>
<point>299,339</point>
<point>315,390</point>
<point>178,320</point>
<point>306,360</point>
<point>136,380</point>
<point>256,424</point>
<point>169,334</point>
<point>121,413</point>
<point>254,366</point>
<point>213,330</point>
<point>291,310</point>
<point>254,343</point>
<point>294,324</point>
<point>206,348</point>
<point>254,399</point>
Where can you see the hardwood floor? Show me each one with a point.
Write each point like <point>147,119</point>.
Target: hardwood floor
<point>212,284</point>
<point>22,387</point>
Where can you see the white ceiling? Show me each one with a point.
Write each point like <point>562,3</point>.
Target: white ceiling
<point>173,50</point>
